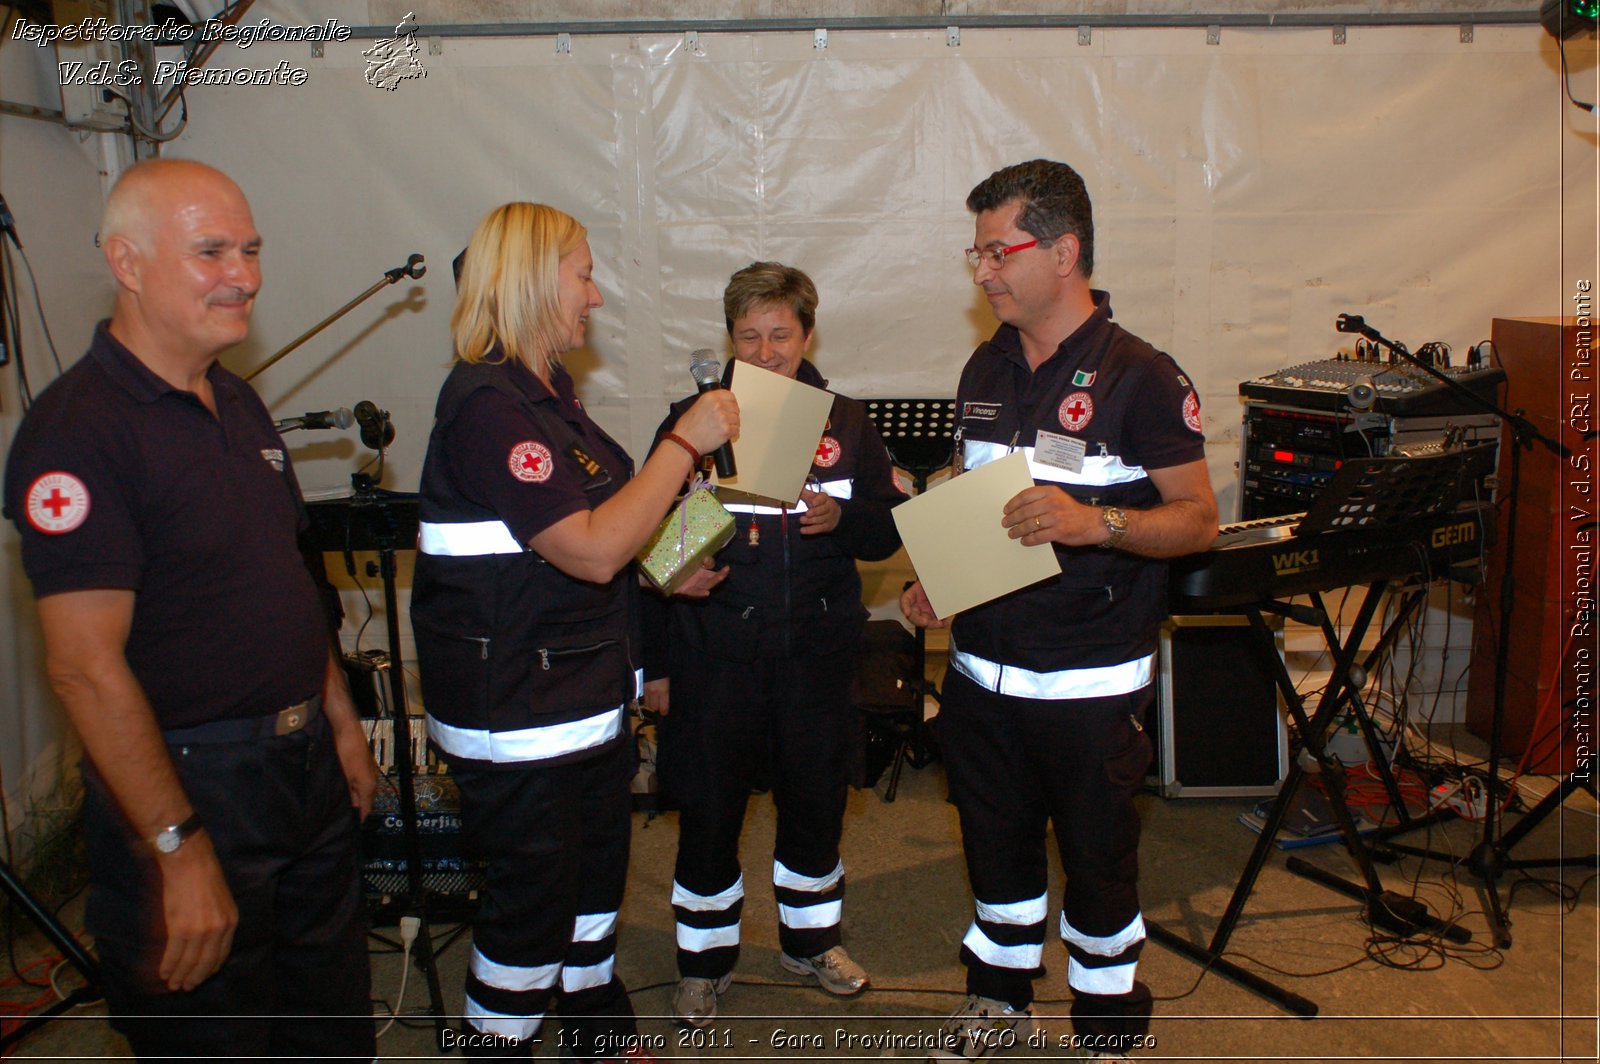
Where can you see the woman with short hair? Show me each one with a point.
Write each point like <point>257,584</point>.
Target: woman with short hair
<point>758,678</point>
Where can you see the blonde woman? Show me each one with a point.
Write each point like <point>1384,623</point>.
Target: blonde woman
<point>524,613</point>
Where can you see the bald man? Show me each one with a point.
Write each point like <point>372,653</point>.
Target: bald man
<point>225,769</point>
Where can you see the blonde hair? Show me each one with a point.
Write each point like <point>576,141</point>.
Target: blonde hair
<point>510,277</point>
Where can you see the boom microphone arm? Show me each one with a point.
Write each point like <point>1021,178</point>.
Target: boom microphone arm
<point>412,268</point>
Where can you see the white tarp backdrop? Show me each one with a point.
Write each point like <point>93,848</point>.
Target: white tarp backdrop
<point>1245,193</point>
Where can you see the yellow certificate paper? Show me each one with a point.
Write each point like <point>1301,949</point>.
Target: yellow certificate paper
<point>780,425</point>
<point>962,554</point>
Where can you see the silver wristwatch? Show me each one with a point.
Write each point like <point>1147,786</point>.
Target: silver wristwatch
<point>169,838</point>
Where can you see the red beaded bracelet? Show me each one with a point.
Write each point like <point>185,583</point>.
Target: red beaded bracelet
<point>694,455</point>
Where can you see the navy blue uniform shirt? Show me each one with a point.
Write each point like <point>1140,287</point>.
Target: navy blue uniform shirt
<point>502,462</point>
<point>118,480</point>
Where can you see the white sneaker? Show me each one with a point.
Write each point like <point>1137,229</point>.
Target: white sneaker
<point>833,970</point>
<point>982,1026</point>
<point>694,1003</point>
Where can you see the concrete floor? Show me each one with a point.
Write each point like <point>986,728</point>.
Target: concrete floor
<point>908,907</point>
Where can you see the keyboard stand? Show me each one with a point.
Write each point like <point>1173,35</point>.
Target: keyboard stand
<point>1384,908</point>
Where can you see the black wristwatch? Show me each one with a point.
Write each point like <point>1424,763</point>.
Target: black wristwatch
<point>1116,522</point>
<point>169,838</point>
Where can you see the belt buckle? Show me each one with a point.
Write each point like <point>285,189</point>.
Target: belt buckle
<point>291,719</point>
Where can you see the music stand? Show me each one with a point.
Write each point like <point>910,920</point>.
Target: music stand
<point>1364,494</point>
<point>920,437</point>
<point>386,522</point>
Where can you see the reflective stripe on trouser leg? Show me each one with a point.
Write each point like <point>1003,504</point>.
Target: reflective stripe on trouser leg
<point>809,909</point>
<point>592,958</point>
<point>707,927</point>
<point>507,1000</point>
<point>1103,964</point>
<point>1007,935</point>
<point>554,840</point>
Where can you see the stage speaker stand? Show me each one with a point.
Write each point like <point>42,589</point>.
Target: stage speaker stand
<point>1219,721</point>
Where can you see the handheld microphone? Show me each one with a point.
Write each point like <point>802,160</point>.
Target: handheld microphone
<point>707,374</point>
<point>318,419</point>
<point>377,432</point>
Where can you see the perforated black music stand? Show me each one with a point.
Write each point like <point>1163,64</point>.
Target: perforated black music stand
<point>920,436</point>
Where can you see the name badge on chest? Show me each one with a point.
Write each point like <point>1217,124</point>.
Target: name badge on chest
<point>1062,452</point>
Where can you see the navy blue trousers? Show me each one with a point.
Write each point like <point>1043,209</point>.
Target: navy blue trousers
<point>555,840</point>
<point>1016,766</point>
<point>781,723</point>
<point>297,982</point>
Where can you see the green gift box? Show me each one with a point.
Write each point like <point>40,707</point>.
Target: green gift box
<point>696,530</point>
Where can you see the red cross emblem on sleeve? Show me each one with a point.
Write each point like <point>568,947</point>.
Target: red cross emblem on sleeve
<point>57,503</point>
<point>1191,411</point>
<point>1076,411</point>
<point>530,462</point>
<point>828,452</point>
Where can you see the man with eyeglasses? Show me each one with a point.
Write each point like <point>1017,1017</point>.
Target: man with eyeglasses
<point>1044,707</point>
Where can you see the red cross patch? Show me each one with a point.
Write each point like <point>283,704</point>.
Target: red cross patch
<point>1076,411</point>
<point>530,461</point>
<point>57,503</point>
<point>1191,411</point>
<point>828,452</point>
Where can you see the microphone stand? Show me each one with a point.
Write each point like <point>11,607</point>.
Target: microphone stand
<point>411,268</point>
<point>1488,858</point>
<point>367,497</point>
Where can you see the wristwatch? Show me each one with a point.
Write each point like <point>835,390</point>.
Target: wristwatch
<point>1116,522</point>
<point>169,838</point>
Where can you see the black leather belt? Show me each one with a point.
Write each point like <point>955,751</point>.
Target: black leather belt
<point>246,729</point>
